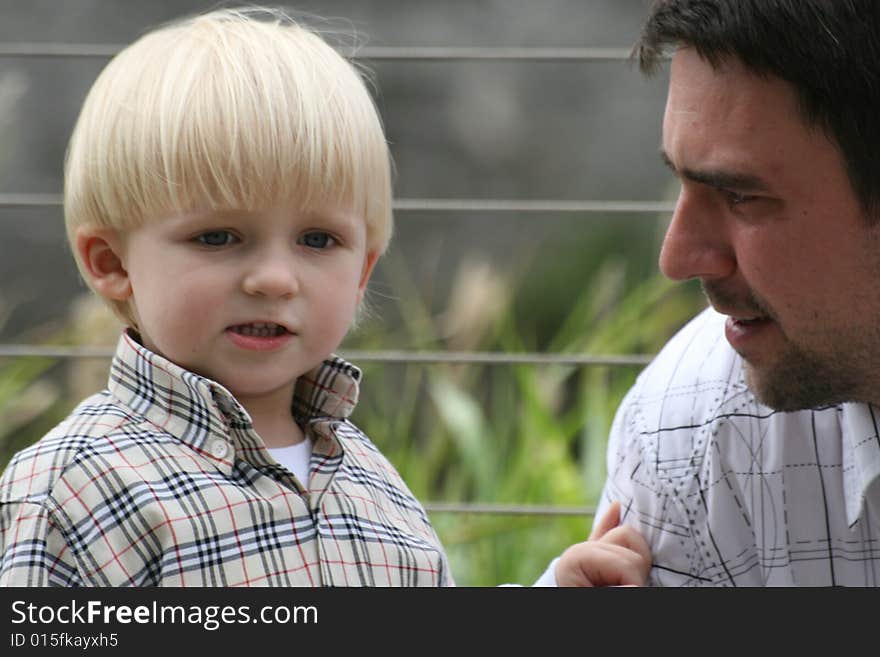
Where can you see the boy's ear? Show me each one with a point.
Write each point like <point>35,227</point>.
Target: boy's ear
<point>99,250</point>
<point>369,263</point>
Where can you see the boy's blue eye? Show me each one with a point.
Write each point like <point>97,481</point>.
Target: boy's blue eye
<point>317,240</point>
<point>216,238</point>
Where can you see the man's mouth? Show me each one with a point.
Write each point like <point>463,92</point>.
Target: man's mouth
<point>746,332</point>
<point>259,330</point>
<point>742,308</point>
<point>749,320</point>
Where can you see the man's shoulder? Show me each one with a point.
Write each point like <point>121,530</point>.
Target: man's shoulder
<point>697,362</point>
<point>85,433</point>
<point>694,395</point>
<point>685,395</point>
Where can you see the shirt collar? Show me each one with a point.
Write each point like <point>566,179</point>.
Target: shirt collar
<point>192,407</point>
<point>860,425</point>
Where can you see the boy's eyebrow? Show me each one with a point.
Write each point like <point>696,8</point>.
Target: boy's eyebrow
<point>718,179</point>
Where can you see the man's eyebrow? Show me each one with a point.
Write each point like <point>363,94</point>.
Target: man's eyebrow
<point>718,179</point>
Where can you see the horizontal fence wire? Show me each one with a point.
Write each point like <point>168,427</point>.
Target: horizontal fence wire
<point>432,205</point>
<point>509,509</point>
<point>382,356</point>
<point>537,206</point>
<point>375,53</point>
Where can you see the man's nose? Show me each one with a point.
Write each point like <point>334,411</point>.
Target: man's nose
<point>696,244</point>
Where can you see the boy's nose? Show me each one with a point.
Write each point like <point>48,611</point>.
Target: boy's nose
<point>696,243</point>
<point>271,276</point>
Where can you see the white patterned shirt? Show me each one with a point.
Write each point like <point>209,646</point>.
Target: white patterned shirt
<point>160,480</point>
<point>728,492</point>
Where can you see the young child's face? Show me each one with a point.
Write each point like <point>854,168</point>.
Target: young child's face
<point>251,300</point>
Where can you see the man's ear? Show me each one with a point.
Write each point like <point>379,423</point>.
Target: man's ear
<point>100,251</point>
<point>369,263</point>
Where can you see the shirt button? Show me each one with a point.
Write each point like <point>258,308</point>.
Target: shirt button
<point>219,448</point>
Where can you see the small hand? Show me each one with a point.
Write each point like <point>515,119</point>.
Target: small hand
<point>614,555</point>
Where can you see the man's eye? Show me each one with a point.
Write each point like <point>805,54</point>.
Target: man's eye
<point>734,198</point>
<point>216,238</point>
<point>317,240</point>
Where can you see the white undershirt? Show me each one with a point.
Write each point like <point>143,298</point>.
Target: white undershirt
<point>296,459</point>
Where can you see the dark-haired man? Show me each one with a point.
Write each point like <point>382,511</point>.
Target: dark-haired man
<point>748,452</point>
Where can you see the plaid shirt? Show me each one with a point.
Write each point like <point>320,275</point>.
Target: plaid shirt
<point>161,480</point>
<point>728,492</point>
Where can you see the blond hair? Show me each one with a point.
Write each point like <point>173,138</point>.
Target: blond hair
<point>234,109</point>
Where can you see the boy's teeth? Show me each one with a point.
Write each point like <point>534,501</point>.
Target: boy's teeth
<point>259,329</point>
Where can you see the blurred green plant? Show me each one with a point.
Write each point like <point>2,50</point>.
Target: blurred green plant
<point>28,403</point>
<point>515,434</point>
<point>38,392</point>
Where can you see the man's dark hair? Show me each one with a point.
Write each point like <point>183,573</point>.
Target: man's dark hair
<point>828,50</point>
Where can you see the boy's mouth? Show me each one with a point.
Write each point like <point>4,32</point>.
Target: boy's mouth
<point>259,330</point>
